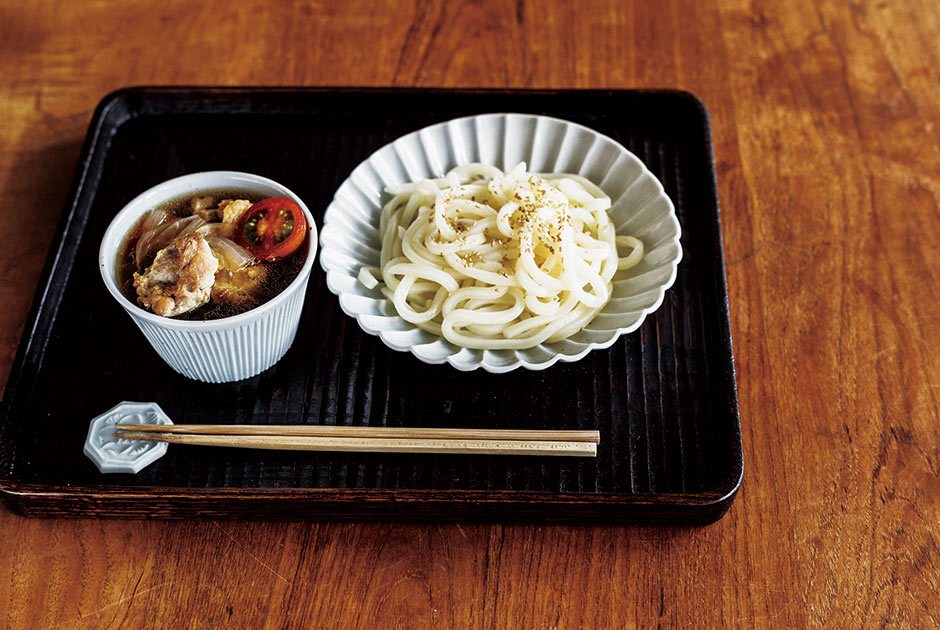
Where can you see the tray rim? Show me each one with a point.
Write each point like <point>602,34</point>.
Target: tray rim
<point>348,503</point>
<point>716,499</point>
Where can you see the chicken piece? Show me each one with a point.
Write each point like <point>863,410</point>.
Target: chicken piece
<point>209,215</point>
<point>233,210</point>
<point>180,278</point>
<point>240,287</point>
<point>205,207</point>
<point>230,211</point>
<point>201,203</point>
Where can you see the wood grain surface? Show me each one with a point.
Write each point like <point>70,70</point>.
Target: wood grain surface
<point>826,121</point>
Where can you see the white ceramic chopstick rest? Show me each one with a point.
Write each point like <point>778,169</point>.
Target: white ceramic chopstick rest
<point>113,455</point>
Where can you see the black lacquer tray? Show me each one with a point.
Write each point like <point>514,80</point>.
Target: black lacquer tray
<point>663,397</point>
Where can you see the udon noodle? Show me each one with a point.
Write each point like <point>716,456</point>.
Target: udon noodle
<point>494,260</point>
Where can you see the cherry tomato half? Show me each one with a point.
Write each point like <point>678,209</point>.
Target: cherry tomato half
<point>272,228</point>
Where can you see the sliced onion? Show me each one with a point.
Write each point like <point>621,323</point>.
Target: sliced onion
<point>154,218</point>
<point>233,255</point>
<point>190,224</point>
<point>156,239</point>
<point>152,241</point>
<point>211,229</point>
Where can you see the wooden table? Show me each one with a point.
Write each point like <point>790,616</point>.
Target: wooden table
<point>826,120</point>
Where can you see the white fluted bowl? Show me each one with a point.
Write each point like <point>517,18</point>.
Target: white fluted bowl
<point>350,236</point>
<point>220,350</point>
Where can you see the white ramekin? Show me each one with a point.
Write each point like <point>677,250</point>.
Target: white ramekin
<point>221,350</point>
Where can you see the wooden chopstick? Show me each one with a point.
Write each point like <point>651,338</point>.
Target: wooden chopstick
<point>371,439</point>
<point>373,445</point>
<point>374,432</point>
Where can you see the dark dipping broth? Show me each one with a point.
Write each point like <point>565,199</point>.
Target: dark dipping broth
<point>279,274</point>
